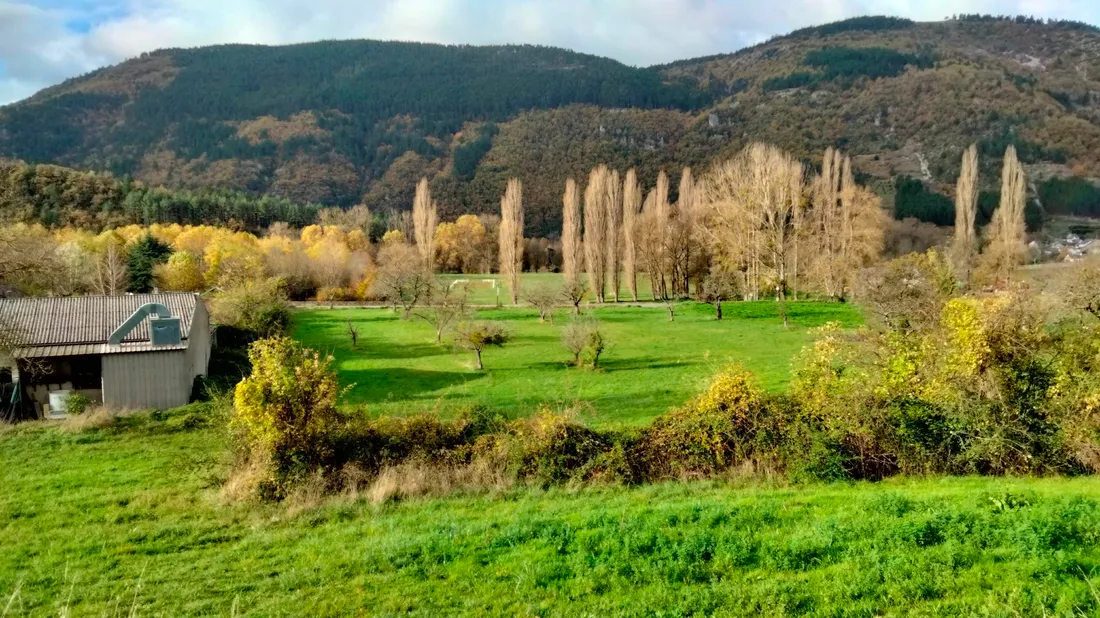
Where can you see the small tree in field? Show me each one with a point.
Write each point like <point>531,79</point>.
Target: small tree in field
<point>447,308</point>
<point>544,298</point>
<point>477,336</point>
<point>584,340</point>
<point>670,305</point>
<point>574,292</point>
<point>596,346</point>
<point>353,333</point>
<point>719,286</point>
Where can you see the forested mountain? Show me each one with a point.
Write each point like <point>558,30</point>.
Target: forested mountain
<point>346,122</point>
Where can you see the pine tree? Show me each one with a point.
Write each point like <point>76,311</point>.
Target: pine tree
<point>142,258</point>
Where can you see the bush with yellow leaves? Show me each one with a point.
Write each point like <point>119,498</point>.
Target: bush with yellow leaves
<point>284,412</point>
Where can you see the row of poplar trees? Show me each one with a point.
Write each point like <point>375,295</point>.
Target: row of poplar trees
<point>758,224</point>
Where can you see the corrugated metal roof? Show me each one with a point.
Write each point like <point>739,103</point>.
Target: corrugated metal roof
<point>76,321</point>
<point>85,349</point>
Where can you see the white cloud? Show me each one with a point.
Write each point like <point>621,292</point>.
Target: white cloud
<point>39,46</point>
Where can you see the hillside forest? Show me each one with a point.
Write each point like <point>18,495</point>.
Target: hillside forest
<point>344,123</point>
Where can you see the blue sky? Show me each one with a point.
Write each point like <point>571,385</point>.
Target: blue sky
<point>43,42</point>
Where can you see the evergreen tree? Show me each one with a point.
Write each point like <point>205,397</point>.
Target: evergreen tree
<point>143,256</point>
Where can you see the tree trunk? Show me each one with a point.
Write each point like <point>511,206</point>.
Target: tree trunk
<point>718,309</point>
<point>671,313</point>
<point>479,365</point>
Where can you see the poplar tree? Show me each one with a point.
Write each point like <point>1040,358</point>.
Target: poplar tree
<point>511,235</point>
<point>572,252</point>
<point>595,230</point>
<point>1007,229</point>
<point>632,204</point>
<point>613,201</point>
<point>425,215</point>
<point>965,243</point>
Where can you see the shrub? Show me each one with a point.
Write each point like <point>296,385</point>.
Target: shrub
<point>284,412</point>
<point>258,307</point>
<point>584,340</point>
<point>77,404</point>
<point>546,448</point>
<point>544,298</point>
<point>715,431</point>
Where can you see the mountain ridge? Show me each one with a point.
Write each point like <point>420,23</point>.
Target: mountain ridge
<point>345,122</point>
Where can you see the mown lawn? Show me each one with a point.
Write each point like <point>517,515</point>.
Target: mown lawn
<point>650,365</point>
<point>127,521</point>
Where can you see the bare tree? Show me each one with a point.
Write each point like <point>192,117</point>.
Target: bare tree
<point>682,235</point>
<point>544,298</point>
<point>670,306</point>
<point>848,226</point>
<point>402,279</point>
<point>751,200</point>
<point>1079,290</point>
<point>109,276</point>
<point>476,336</point>
<point>447,308</point>
<point>574,292</point>
<point>571,252</point>
<point>827,224</point>
<point>649,229</point>
<point>613,238</point>
<point>425,215</point>
<point>27,259</point>
<point>353,333</point>
<point>632,205</point>
<point>965,243</point>
<point>1006,232</point>
<point>662,213</point>
<point>511,235</point>
<point>596,230</point>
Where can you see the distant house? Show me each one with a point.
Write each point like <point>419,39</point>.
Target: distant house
<point>140,351</point>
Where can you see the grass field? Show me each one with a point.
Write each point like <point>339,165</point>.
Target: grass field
<point>482,289</point>
<point>127,522</point>
<point>651,364</point>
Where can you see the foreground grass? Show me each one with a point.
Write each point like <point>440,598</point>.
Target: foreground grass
<point>127,521</point>
<point>650,365</point>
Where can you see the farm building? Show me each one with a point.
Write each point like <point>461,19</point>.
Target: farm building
<point>139,351</point>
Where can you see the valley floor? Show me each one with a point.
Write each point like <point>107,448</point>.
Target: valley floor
<point>650,364</point>
<point>128,520</point>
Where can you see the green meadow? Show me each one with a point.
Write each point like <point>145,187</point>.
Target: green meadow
<point>651,364</point>
<point>129,517</point>
<point>128,521</point>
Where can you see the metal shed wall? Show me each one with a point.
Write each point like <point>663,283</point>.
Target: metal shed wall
<point>198,344</point>
<point>147,380</point>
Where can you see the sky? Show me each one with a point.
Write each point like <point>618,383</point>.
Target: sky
<point>43,42</point>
